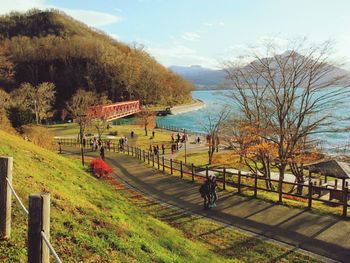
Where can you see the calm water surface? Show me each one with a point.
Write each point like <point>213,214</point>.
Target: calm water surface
<point>215,100</point>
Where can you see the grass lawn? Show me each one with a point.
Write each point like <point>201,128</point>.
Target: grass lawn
<point>91,220</point>
<point>101,221</point>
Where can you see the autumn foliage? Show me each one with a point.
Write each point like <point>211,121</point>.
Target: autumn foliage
<point>100,168</point>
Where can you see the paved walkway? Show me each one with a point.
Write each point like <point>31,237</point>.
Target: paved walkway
<point>325,235</point>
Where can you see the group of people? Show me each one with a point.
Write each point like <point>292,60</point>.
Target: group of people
<point>179,138</point>
<point>122,142</point>
<point>156,150</point>
<point>208,192</point>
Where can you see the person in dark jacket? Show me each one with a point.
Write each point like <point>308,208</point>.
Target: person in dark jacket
<point>102,152</point>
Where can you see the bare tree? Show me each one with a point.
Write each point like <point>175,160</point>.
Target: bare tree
<point>212,124</point>
<point>147,119</point>
<point>286,97</point>
<point>37,99</point>
<point>78,107</point>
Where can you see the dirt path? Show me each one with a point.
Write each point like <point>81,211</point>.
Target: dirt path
<point>324,235</point>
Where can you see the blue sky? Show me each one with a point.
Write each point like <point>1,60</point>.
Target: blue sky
<point>207,32</point>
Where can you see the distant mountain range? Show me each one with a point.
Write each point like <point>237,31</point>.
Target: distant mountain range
<point>202,78</point>
<point>205,78</point>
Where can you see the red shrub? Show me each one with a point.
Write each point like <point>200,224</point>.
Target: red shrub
<point>100,168</point>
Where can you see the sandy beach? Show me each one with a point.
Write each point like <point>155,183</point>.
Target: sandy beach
<point>198,104</point>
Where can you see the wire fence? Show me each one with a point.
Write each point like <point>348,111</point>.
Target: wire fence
<point>5,201</point>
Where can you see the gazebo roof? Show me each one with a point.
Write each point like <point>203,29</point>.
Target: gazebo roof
<point>333,168</point>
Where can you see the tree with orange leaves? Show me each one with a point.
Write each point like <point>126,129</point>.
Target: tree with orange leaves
<point>147,120</point>
<point>286,97</point>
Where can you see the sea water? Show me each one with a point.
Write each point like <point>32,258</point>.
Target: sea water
<point>332,142</point>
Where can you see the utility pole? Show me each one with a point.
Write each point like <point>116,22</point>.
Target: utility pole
<point>185,146</point>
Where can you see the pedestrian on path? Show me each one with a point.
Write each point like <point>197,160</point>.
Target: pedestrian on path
<point>153,134</point>
<point>163,149</point>
<point>213,194</point>
<point>204,190</point>
<point>102,152</point>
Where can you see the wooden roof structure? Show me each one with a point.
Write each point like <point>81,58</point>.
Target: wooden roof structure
<point>334,168</point>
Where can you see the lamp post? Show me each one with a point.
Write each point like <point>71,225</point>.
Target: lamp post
<point>185,147</point>
<point>81,138</point>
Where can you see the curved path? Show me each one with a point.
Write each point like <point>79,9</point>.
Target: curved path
<point>325,235</point>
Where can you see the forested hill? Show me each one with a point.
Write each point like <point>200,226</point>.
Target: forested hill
<point>49,46</point>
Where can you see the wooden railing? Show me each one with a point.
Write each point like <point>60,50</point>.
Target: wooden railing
<point>240,180</point>
<point>38,214</point>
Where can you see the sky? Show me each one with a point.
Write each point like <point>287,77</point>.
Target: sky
<point>208,32</point>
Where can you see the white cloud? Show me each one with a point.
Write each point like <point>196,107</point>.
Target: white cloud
<point>208,24</point>
<point>213,24</point>
<point>181,55</point>
<point>342,51</point>
<point>19,5</point>
<point>190,36</point>
<point>91,18</point>
<point>115,36</point>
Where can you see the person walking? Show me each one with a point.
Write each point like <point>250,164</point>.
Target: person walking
<point>213,194</point>
<point>163,149</point>
<point>153,134</point>
<point>198,140</point>
<point>132,134</point>
<point>178,137</point>
<point>204,190</point>
<point>108,144</point>
<point>102,152</point>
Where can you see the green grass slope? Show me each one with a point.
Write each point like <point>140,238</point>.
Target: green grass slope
<point>91,221</point>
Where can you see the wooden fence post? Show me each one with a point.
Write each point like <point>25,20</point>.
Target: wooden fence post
<point>239,182</point>
<point>6,164</point>
<point>171,166</point>
<point>132,150</point>
<point>256,185</point>
<point>128,150</point>
<point>153,160</point>
<point>280,190</point>
<point>144,156</point>
<point>192,172</point>
<point>38,220</point>
<point>158,161</point>
<point>181,170</point>
<point>224,178</point>
<point>163,164</point>
<point>206,172</point>
<point>309,203</point>
<point>148,157</point>
<point>345,201</point>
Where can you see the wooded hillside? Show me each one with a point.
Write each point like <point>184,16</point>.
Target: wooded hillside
<point>49,46</point>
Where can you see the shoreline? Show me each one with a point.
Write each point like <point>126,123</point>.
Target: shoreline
<point>198,104</point>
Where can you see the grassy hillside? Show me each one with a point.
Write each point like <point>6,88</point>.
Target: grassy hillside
<point>50,46</point>
<point>91,220</point>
